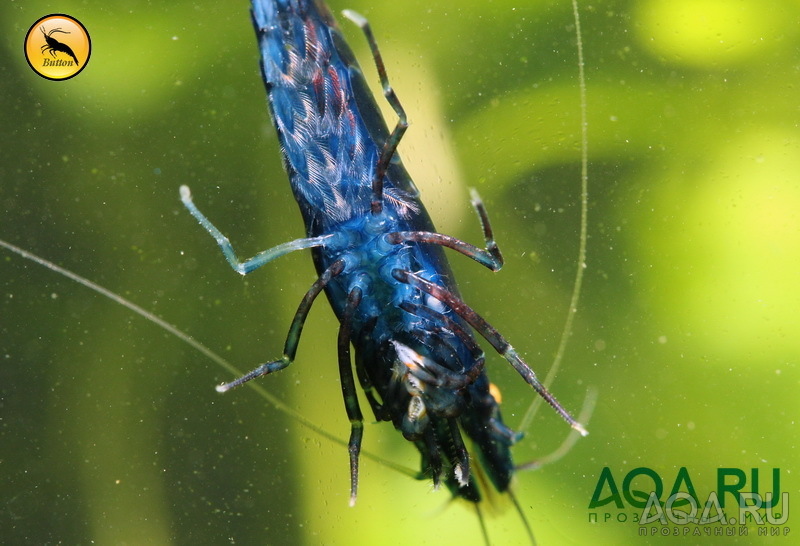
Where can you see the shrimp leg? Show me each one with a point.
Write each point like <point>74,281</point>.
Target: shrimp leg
<point>293,337</point>
<point>259,259</point>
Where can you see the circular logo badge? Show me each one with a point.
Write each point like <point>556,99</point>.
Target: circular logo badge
<point>57,47</point>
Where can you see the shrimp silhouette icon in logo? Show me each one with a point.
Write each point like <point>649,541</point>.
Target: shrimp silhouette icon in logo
<point>52,45</point>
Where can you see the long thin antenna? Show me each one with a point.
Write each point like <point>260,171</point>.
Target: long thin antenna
<point>196,345</point>
<point>576,289</point>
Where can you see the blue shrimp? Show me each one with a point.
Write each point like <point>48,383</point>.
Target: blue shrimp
<point>379,258</point>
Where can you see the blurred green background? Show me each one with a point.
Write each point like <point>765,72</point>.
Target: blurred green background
<point>110,429</point>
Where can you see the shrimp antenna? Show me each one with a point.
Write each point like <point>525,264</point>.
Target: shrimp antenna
<point>566,333</point>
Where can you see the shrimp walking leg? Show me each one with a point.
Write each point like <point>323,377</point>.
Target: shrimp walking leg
<point>293,337</point>
<point>263,257</point>
<point>491,335</point>
<point>489,257</point>
<point>349,391</point>
<point>390,146</point>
